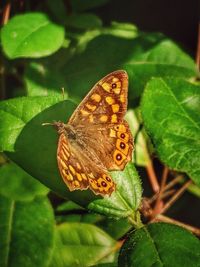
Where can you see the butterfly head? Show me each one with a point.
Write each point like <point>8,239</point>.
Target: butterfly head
<point>61,128</point>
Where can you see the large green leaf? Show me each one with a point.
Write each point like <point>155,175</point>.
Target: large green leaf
<point>158,245</point>
<point>26,233</point>
<point>31,35</point>
<point>171,113</point>
<point>80,244</point>
<point>16,184</point>
<point>21,127</point>
<point>16,112</point>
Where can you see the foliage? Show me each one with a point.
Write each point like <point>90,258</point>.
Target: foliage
<point>51,47</point>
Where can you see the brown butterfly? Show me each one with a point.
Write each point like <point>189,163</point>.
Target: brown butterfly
<point>96,138</point>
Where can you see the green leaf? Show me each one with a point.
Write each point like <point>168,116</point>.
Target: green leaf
<point>21,126</point>
<point>21,117</point>
<point>31,35</point>
<point>126,200</point>
<point>16,184</point>
<point>121,29</point>
<point>115,228</point>
<point>141,155</point>
<point>57,9</point>
<point>143,57</point>
<point>171,113</point>
<point>26,233</point>
<point>84,21</point>
<point>97,53</point>
<point>16,112</point>
<point>42,80</point>
<point>79,244</point>
<point>160,244</point>
<point>79,5</point>
<point>114,264</point>
<point>72,212</point>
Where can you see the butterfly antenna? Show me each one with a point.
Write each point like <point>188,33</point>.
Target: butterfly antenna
<point>47,123</point>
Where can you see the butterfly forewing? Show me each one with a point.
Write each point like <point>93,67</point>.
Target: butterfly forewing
<point>105,103</point>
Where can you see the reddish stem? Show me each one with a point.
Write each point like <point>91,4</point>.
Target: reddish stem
<point>152,177</point>
<point>6,13</point>
<point>176,196</point>
<point>198,49</point>
<point>159,203</point>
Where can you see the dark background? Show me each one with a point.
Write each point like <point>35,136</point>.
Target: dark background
<point>178,19</point>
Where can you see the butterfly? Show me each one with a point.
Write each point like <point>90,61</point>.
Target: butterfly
<point>97,138</point>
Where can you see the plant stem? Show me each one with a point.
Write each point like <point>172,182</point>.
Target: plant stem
<point>173,182</point>
<point>164,195</point>
<point>6,13</point>
<point>152,177</point>
<point>175,197</point>
<point>159,202</point>
<point>135,220</point>
<point>198,48</point>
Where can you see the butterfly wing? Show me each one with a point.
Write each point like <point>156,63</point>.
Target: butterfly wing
<point>112,144</point>
<point>105,103</point>
<point>100,118</point>
<point>79,171</point>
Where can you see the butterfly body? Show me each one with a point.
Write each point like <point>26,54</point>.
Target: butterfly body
<point>96,138</point>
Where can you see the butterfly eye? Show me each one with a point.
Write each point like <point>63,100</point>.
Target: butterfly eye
<point>122,145</point>
<point>114,85</point>
<point>108,179</point>
<point>122,135</point>
<point>118,156</point>
<point>104,184</point>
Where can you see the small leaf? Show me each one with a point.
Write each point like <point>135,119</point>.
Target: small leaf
<point>80,244</point>
<point>57,9</point>
<point>16,184</point>
<point>160,244</point>
<point>171,113</point>
<point>84,21</point>
<point>26,232</point>
<point>141,155</point>
<point>31,35</point>
<point>43,80</point>
<point>120,29</point>
<point>126,200</point>
<point>79,5</point>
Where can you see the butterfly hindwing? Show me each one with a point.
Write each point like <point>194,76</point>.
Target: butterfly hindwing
<point>71,169</point>
<point>78,171</point>
<point>112,144</point>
